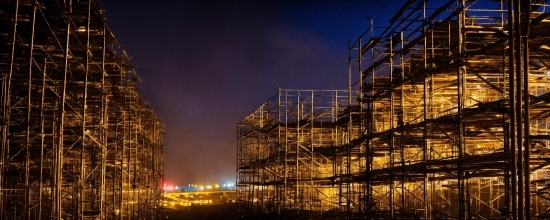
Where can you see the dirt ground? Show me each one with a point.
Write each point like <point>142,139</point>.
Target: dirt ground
<point>228,211</point>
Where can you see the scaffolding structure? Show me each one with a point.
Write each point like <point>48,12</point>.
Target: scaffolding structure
<point>447,118</point>
<point>77,141</point>
<point>287,158</point>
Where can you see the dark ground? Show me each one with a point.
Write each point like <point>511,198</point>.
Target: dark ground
<point>227,211</point>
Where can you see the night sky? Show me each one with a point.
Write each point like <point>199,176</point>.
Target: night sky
<point>205,65</point>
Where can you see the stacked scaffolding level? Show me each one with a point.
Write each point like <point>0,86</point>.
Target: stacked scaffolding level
<point>452,120</point>
<point>288,164</point>
<point>77,141</point>
<point>459,123</point>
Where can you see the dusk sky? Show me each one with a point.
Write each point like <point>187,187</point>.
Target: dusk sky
<point>205,65</point>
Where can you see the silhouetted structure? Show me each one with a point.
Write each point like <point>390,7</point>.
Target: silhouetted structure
<point>446,117</point>
<point>77,141</point>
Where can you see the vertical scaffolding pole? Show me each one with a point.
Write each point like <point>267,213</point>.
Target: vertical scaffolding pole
<point>104,126</point>
<point>522,15</point>
<point>350,86</point>
<point>298,206</point>
<point>285,195</point>
<point>392,136</point>
<point>59,151</point>
<point>401,122</point>
<point>512,114</point>
<point>526,123</point>
<point>519,104</point>
<point>361,132</point>
<point>29,106</point>
<point>462,214</point>
<point>6,106</point>
<point>369,121</point>
<point>84,149</point>
<point>42,137</point>
<point>425,146</point>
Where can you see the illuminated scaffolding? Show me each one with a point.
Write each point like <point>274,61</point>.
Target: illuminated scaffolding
<point>287,157</point>
<point>453,116</point>
<point>77,141</point>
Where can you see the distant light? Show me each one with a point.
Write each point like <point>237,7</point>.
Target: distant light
<point>81,29</point>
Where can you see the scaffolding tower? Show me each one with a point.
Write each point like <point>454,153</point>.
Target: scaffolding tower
<point>77,140</point>
<point>447,118</point>
<point>289,160</point>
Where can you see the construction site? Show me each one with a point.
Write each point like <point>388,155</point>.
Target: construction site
<point>446,116</point>
<point>77,140</point>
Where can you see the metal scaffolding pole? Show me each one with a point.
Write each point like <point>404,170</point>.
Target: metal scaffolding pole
<point>6,104</point>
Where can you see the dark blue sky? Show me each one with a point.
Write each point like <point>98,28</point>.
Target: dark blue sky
<point>205,65</point>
